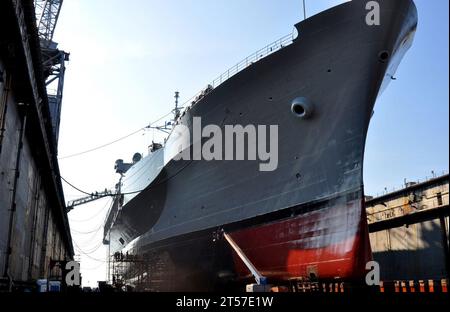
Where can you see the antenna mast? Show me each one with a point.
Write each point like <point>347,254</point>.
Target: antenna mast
<point>176,110</point>
<point>304,10</point>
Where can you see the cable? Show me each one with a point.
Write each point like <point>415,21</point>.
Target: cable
<point>114,141</point>
<point>94,248</point>
<point>87,254</point>
<point>91,250</point>
<point>159,119</point>
<point>101,146</point>
<point>132,192</point>
<point>92,237</point>
<point>95,215</point>
<point>98,236</point>
<point>90,194</point>
<point>81,191</point>
<point>88,232</point>
<point>98,147</point>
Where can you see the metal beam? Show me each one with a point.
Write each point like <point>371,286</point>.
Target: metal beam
<point>12,209</point>
<point>47,13</point>
<point>260,279</point>
<point>412,218</point>
<point>87,199</point>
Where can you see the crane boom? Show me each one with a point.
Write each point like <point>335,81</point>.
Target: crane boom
<point>53,59</point>
<point>84,200</point>
<point>47,13</point>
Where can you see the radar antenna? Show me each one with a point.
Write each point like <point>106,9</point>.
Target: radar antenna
<point>176,110</point>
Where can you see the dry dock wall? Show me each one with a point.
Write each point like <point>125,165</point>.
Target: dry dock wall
<point>35,240</point>
<point>409,231</point>
<point>33,222</point>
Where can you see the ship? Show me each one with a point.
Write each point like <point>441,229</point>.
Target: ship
<point>304,220</point>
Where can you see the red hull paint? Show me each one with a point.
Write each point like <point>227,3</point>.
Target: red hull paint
<point>331,242</point>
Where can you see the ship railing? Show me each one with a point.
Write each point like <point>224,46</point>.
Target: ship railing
<point>248,61</point>
<point>392,189</point>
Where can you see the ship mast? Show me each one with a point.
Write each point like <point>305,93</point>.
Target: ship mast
<point>304,10</point>
<point>176,110</point>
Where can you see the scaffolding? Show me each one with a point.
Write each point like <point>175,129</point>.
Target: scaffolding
<point>136,272</point>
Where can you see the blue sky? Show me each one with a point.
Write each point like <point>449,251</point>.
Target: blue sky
<point>408,135</point>
<point>127,59</point>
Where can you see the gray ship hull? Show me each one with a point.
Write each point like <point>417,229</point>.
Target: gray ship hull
<point>340,64</point>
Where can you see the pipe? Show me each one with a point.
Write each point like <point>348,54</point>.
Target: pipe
<point>3,107</point>
<point>260,279</point>
<point>14,192</point>
<point>35,212</point>
<point>44,242</point>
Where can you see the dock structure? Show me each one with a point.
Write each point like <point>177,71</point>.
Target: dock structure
<point>409,231</point>
<point>34,230</point>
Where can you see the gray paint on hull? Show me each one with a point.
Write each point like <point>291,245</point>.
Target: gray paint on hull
<point>335,63</point>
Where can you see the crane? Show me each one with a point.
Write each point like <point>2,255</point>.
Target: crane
<point>47,13</point>
<point>84,200</point>
<point>53,59</point>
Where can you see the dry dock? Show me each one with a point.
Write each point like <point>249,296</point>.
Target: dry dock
<point>409,228</point>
